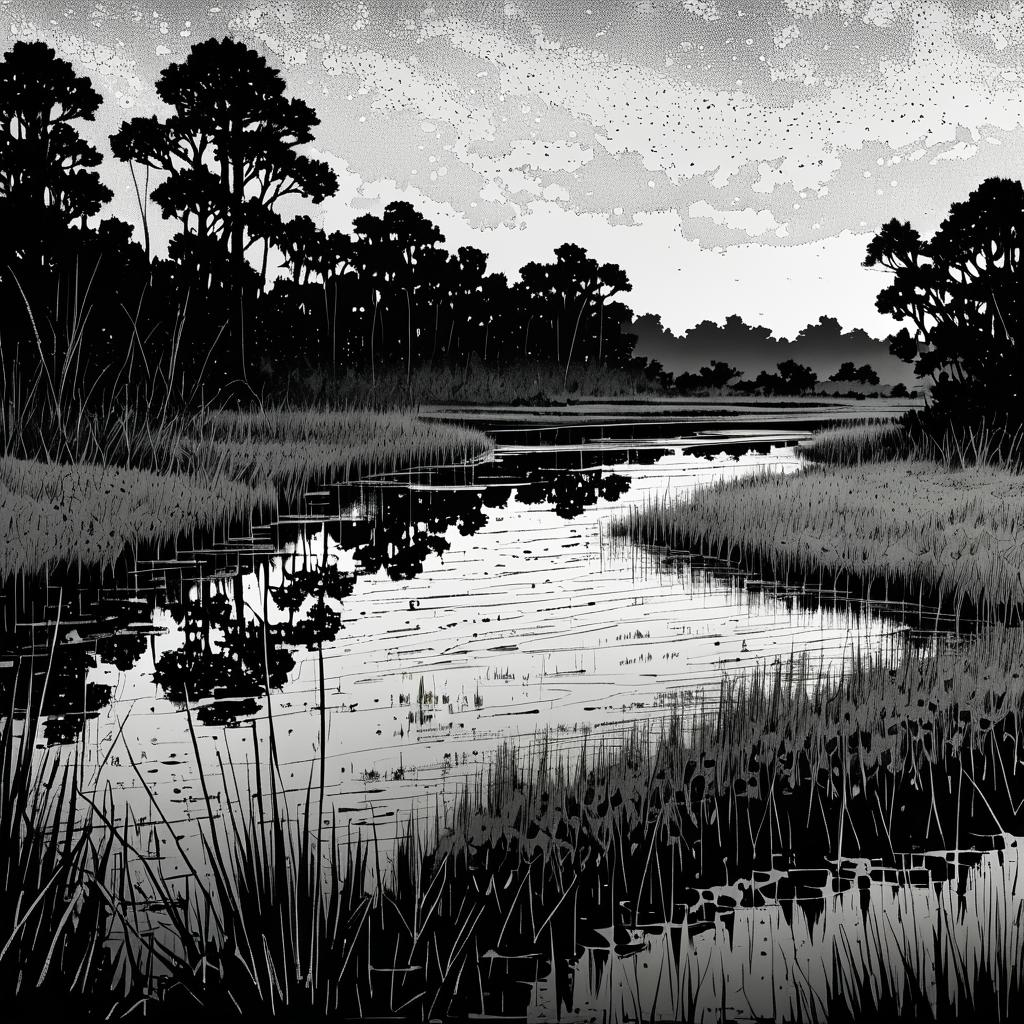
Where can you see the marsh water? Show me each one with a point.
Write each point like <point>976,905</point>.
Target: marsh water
<point>394,634</point>
<point>430,615</point>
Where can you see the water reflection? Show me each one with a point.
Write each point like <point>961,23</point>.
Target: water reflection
<point>48,656</point>
<point>570,493</point>
<point>244,607</point>
<point>224,663</point>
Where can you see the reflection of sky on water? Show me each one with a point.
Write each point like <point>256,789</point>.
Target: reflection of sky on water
<point>763,955</point>
<point>443,628</point>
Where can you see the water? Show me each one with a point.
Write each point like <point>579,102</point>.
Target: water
<point>435,615</point>
<point>417,622</point>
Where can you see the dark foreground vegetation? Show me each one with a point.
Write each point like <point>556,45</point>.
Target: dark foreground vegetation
<point>775,794</point>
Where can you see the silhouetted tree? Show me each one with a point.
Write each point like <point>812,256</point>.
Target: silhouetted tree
<point>850,373</point>
<point>230,153</point>
<point>796,378</point>
<point>715,376</point>
<point>227,154</point>
<point>304,247</point>
<point>46,181</point>
<point>570,301</point>
<point>735,335</point>
<point>964,294</point>
<point>719,374</point>
<point>792,379</point>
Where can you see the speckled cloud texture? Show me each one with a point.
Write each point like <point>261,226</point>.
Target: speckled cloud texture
<point>733,157</point>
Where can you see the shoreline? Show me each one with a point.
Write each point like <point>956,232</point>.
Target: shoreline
<point>91,513</point>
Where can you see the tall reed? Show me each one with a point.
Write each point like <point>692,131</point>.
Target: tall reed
<point>57,915</point>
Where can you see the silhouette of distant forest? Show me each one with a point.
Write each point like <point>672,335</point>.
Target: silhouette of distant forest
<point>90,308</point>
<point>89,305</point>
<point>224,158</point>
<point>747,357</point>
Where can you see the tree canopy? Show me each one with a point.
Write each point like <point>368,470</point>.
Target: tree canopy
<point>230,153</point>
<point>46,178</point>
<point>848,372</point>
<point>962,292</point>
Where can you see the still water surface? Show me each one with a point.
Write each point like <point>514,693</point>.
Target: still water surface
<point>419,621</point>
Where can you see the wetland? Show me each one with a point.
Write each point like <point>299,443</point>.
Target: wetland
<point>471,715</point>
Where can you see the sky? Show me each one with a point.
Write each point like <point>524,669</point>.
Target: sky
<point>733,158</point>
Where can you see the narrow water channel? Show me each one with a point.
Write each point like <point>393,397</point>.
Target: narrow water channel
<point>395,634</point>
<point>432,616</point>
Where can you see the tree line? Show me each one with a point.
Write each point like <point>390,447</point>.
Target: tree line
<point>747,358</point>
<point>790,378</point>
<point>88,304</point>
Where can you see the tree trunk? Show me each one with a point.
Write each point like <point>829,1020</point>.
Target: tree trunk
<point>237,246</point>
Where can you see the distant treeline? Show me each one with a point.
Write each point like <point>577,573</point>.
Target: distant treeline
<point>88,305</point>
<point>749,358</point>
<point>90,309</point>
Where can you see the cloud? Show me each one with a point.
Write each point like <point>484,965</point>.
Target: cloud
<point>961,151</point>
<point>784,36</point>
<point>752,222</point>
<point>706,9</point>
<point>1002,28</point>
<point>687,130</point>
<point>882,13</point>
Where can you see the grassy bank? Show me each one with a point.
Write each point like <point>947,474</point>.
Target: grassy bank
<point>212,469</point>
<point>909,522</point>
<point>954,447</point>
<point>517,383</point>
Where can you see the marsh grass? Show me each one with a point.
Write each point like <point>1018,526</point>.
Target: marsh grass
<point>548,853</point>
<point>285,444</point>
<point>854,443</point>
<point>234,464</point>
<point>516,383</point>
<point>911,525</point>
<point>891,720</point>
<point>55,912</point>
<point>90,513</point>
<point>930,967</point>
<point>982,445</point>
<point>288,914</point>
<point>92,462</point>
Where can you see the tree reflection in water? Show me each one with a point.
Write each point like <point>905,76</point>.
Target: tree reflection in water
<point>228,672</point>
<point>231,654</point>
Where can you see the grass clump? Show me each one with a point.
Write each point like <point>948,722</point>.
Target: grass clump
<point>918,435</point>
<point>232,465</point>
<point>925,968</point>
<point>793,738</point>
<point>56,915</point>
<point>285,444</point>
<point>90,513</point>
<point>909,524</point>
<point>871,441</point>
